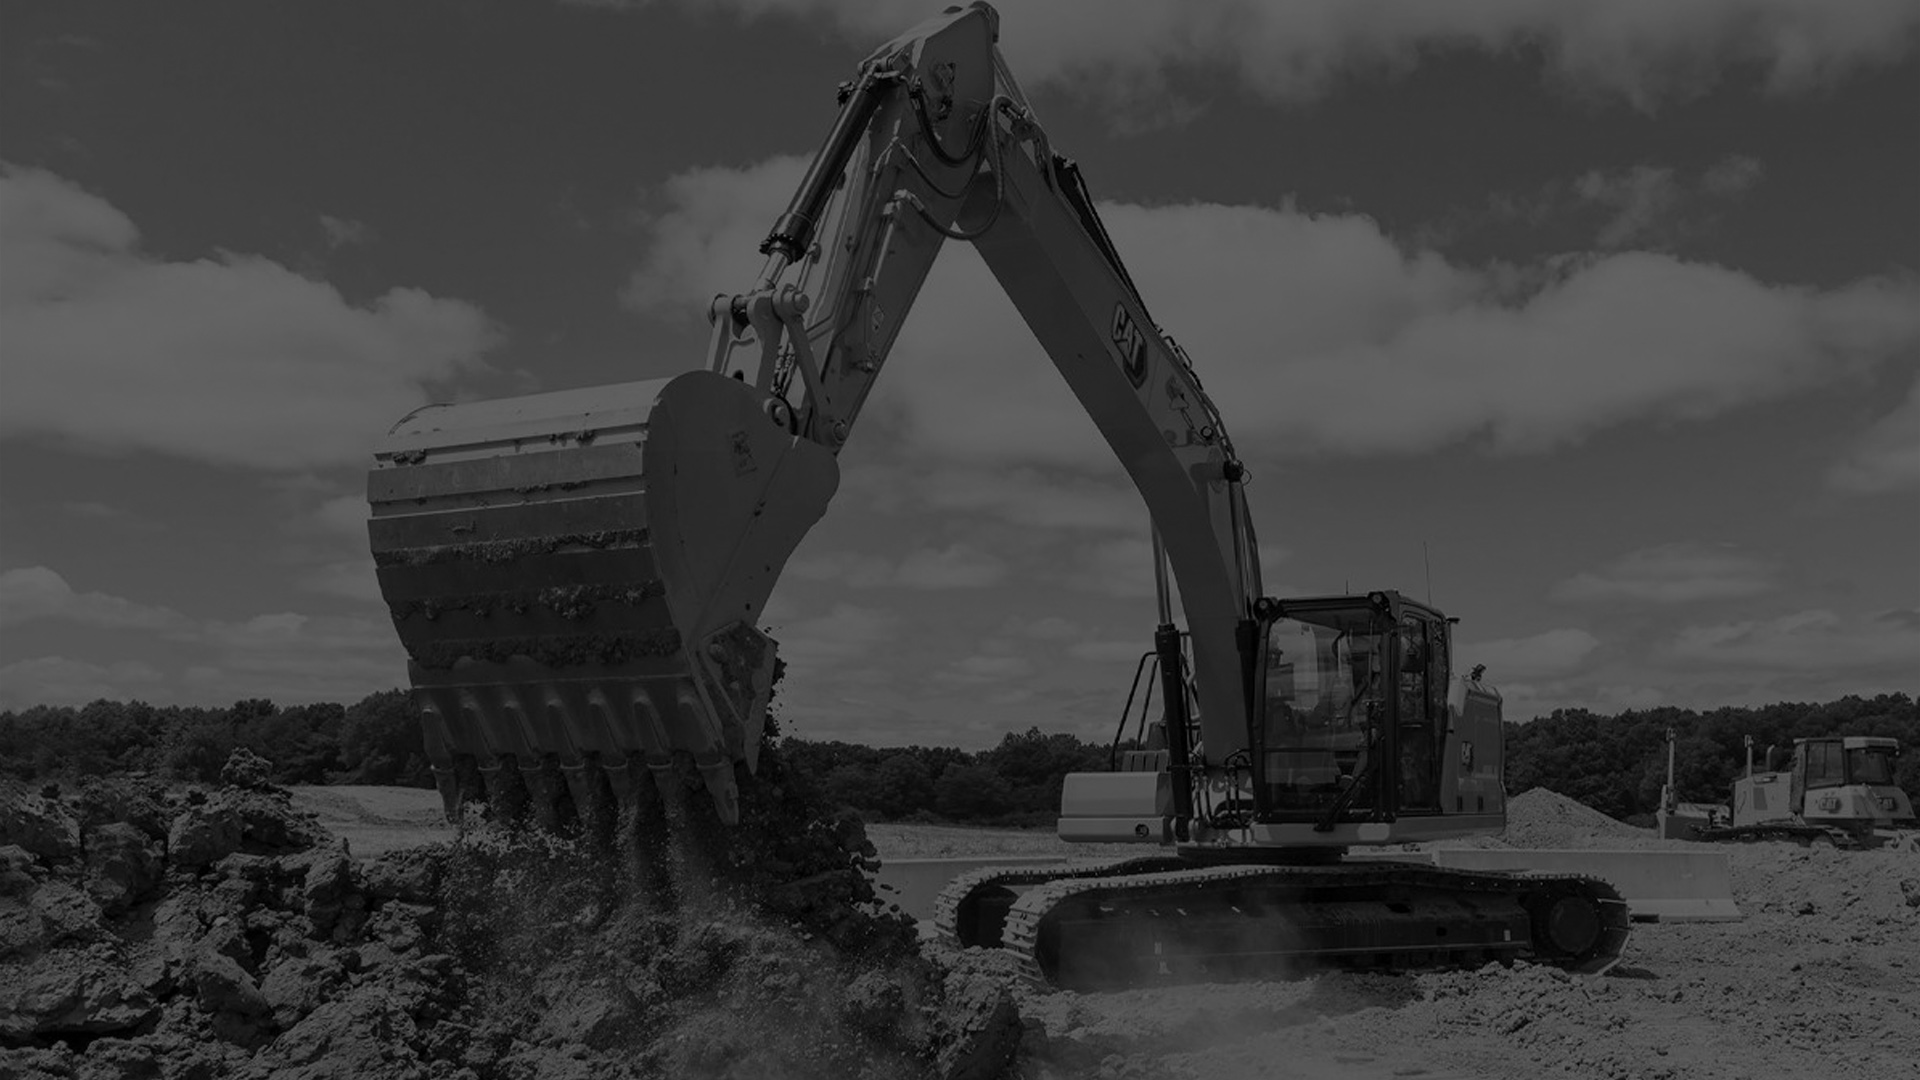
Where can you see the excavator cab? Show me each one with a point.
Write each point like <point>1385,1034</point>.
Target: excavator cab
<point>1354,709</point>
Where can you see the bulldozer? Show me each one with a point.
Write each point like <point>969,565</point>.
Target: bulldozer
<point>577,578</point>
<point>1836,790</point>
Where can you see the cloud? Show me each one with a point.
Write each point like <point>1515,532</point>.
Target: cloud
<point>1547,654</point>
<point>1679,573</point>
<point>1045,628</point>
<point>1111,652</point>
<point>1814,640</point>
<point>234,360</point>
<point>1523,701</point>
<point>849,567</point>
<point>848,632</point>
<point>1035,498</point>
<point>956,566</point>
<point>1641,195</point>
<point>1121,568</point>
<point>1648,52</point>
<point>1885,457</point>
<point>287,656</point>
<point>35,592</point>
<point>713,215</point>
<point>344,232</point>
<point>291,657</point>
<point>334,535</point>
<point>981,668</point>
<point>1731,175</point>
<point>1366,348</point>
<point>1646,199</point>
<point>57,680</point>
<point>1649,206</point>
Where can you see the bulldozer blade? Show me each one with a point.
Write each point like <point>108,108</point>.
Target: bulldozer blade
<point>577,577</point>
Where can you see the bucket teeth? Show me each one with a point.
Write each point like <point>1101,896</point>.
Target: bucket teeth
<point>585,786</point>
<point>545,790</point>
<point>447,781</point>
<point>506,792</point>
<point>725,791</point>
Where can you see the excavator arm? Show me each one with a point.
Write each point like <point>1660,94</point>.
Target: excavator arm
<point>577,575</point>
<point>935,142</point>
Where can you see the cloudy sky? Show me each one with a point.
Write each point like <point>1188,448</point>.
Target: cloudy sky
<point>1608,313</point>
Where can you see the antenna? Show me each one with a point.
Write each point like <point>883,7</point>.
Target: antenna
<point>1429,565</point>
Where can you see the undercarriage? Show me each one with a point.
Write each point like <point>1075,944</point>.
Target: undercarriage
<point>1209,917</point>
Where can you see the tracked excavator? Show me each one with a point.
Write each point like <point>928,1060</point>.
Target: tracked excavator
<point>577,578</point>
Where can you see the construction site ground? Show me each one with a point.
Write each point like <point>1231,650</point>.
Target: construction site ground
<point>272,955</point>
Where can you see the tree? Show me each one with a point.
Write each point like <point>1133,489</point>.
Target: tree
<point>381,743</point>
<point>972,793</point>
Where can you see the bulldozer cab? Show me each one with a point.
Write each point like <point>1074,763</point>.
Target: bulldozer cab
<point>1353,709</point>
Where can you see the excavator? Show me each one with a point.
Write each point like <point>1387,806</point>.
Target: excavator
<point>577,578</point>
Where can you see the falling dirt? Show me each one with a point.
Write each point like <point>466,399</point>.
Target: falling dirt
<point>172,933</point>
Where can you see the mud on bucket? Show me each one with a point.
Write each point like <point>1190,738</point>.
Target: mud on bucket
<point>578,576</point>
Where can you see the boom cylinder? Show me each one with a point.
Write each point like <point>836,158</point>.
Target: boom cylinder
<point>1166,641</point>
<point>793,231</point>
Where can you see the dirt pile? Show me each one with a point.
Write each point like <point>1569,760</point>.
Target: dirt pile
<point>1540,818</point>
<point>189,934</point>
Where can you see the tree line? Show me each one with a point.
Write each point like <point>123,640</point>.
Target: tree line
<point>1614,763</point>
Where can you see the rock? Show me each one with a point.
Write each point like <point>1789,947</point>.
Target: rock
<point>49,914</point>
<point>238,819</point>
<point>357,1036</point>
<point>56,1063</point>
<point>269,823</point>
<point>298,985</point>
<point>105,801</point>
<point>41,826</point>
<point>121,869</point>
<point>985,1028</point>
<point>413,876</point>
<point>248,770</point>
<point>872,1003</point>
<point>18,871</point>
<point>401,926</point>
<point>72,992</point>
<point>202,835</point>
<point>223,986</point>
<point>121,1058</point>
<point>328,886</point>
<point>1910,891</point>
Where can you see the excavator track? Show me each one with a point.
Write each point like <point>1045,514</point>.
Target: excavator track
<point>1128,925</point>
<point>972,909</point>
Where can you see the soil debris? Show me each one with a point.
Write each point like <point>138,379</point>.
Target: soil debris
<point>196,933</point>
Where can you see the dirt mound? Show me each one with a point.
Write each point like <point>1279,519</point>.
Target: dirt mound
<point>1540,818</point>
<point>221,933</point>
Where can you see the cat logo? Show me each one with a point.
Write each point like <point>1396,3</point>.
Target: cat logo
<point>1132,345</point>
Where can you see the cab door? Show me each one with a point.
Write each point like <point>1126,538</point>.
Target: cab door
<point>1420,711</point>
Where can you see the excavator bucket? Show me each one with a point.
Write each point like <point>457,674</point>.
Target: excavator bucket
<point>577,578</point>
